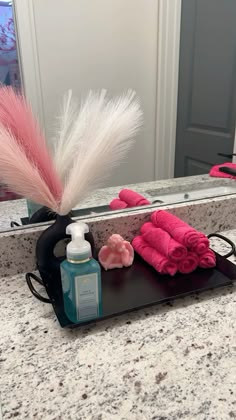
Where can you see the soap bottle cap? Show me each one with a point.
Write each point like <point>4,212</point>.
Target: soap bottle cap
<point>78,249</point>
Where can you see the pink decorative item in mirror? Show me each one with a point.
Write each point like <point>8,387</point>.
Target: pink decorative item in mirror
<point>117,253</point>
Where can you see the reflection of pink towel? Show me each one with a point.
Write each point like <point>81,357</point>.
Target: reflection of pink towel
<point>215,170</point>
<point>179,230</point>
<point>117,204</point>
<point>163,243</point>
<point>153,257</point>
<point>189,264</point>
<point>208,260</point>
<point>132,198</point>
<point>128,198</point>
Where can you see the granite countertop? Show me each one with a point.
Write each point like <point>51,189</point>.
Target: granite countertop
<point>16,209</point>
<point>169,362</point>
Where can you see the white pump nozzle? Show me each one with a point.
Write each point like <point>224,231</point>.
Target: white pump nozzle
<point>77,230</point>
<point>78,249</point>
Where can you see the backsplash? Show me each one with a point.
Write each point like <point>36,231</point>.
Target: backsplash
<point>17,248</point>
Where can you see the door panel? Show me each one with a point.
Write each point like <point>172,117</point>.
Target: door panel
<point>207,85</point>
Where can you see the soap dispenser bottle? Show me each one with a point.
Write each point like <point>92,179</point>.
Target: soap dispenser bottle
<point>81,278</point>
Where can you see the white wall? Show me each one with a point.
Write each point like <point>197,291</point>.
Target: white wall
<point>84,44</point>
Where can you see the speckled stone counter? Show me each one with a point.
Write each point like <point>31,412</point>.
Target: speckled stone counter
<point>16,209</point>
<point>166,363</point>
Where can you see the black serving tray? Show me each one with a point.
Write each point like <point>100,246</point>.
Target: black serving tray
<point>128,289</point>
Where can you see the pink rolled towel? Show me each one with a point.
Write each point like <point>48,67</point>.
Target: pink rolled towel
<point>153,257</point>
<point>202,244</point>
<point>132,198</point>
<point>179,230</point>
<point>163,242</point>
<point>117,204</point>
<point>207,260</point>
<point>189,264</point>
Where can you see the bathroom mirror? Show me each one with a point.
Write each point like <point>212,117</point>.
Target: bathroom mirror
<point>185,82</point>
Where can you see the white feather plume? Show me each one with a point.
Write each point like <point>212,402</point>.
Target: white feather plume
<point>102,134</point>
<point>73,123</point>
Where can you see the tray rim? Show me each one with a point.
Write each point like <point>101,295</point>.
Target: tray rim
<point>71,325</point>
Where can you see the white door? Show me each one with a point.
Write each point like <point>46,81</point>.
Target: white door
<point>92,44</point>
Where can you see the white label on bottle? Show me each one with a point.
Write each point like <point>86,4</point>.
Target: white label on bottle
<point>86,293</point>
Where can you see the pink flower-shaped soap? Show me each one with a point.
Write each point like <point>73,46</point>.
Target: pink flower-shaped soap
<point>117,253</point>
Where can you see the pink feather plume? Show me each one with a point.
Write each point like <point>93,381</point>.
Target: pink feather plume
<point>20,174</point>
<point>16,115</point>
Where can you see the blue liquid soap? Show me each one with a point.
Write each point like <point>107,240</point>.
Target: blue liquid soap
<point>81,278</point>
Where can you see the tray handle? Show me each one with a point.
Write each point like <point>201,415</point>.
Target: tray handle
<point>218,235</point>
<point>29,277</point>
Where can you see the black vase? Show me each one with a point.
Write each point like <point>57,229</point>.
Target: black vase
<point>42,215</point>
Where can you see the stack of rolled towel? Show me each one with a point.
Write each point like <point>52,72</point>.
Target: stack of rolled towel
<point>128,198</point>
<point>169,245</point>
